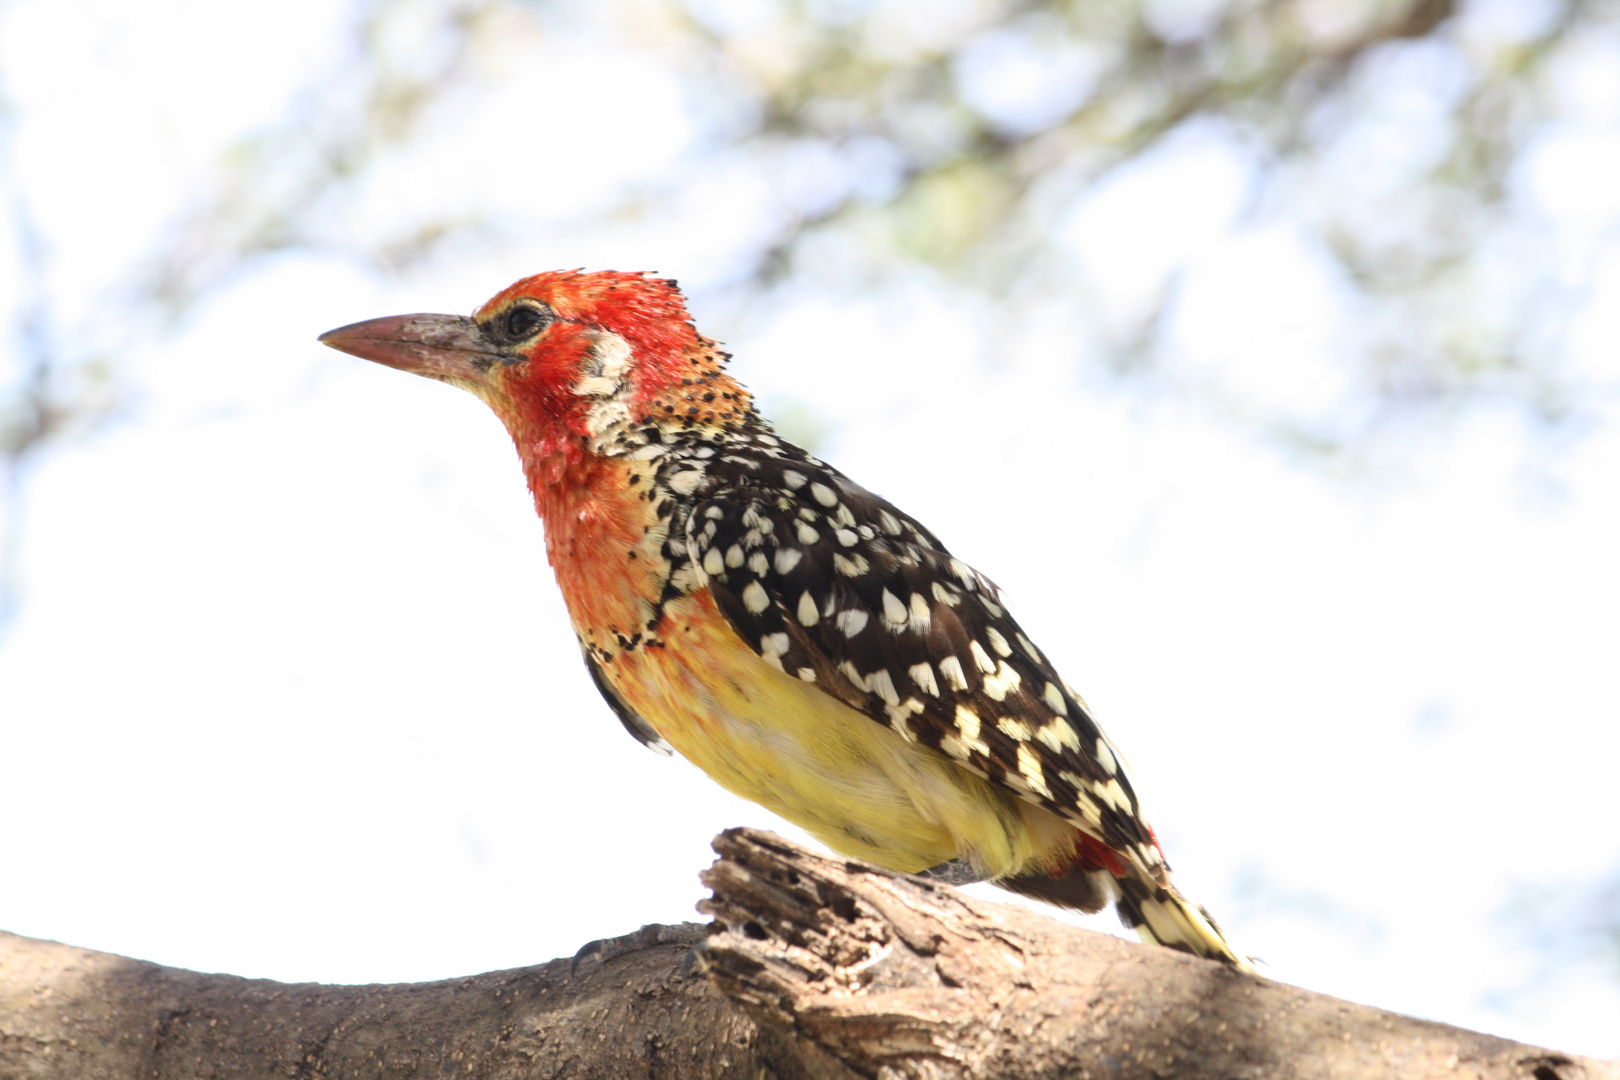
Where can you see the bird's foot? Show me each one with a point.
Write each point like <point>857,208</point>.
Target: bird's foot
<point>604,949</point>
<point>955,872</point>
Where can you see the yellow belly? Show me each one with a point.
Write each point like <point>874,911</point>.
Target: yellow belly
<point>853,783</point>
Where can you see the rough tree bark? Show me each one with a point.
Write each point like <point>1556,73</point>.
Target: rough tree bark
<point>816,968</point>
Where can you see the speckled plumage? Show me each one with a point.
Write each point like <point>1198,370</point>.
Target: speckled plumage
<point>803,641</point>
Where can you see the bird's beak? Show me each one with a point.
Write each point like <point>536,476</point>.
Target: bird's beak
<point>446,347</point>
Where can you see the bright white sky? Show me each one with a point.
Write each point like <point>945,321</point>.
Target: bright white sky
<point>293,694</point>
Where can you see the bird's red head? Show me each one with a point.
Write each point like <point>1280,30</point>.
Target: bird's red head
<point>568,360</point>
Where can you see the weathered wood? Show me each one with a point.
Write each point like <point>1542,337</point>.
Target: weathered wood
<point>627,1009</point>
<point>817,968</point>
<point>902,977</point>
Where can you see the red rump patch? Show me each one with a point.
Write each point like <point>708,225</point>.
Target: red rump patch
<point>1092,854</point>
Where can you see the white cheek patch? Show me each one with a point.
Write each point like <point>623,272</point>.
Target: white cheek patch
<point>605,367</point>
<point>595,386</point>
<point>604,380</point>
<point>603,419</point>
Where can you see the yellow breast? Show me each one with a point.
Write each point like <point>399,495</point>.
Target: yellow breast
<point>853,783</point>
<point>777,740</point>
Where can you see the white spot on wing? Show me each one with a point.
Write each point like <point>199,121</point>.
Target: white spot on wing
<point>1105,757</point>
<point>1057,734</point>
<point>882,685</point>
<point>923,675</point>
<point>1089,810</point>
<point>995,689</point>
<point>787,558</point>
<point>951,668</point>
<point>852,621</point>
<point>922,616</point>
<point>808,616</point>
<point>824,494</point>
<point>997,642</point>
<point>1014,728</point>
<point>1114,795</point>
<point>755,598</point>
<point>982,658</point>
<point>1029,647</point>
<point>1054,700</point>
<point>851,565</point>
<point>1029,764</point>
<point>894,612</point>
<point>967,722</point>
<point>899,714</point>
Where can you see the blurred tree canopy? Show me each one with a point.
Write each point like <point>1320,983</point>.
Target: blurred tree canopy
<point>1437,166</point>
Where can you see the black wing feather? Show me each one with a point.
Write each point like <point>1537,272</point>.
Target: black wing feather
<point>639,729</point>
<point>834,585</point>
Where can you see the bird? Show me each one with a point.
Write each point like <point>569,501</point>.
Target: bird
<point>801,640</point>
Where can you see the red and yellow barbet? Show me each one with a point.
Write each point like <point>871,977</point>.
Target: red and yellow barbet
<point>795,636</point>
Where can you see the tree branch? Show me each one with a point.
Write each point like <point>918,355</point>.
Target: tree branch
<point>629,1008</point>
<point>818,968</point>
<point>896,973</point>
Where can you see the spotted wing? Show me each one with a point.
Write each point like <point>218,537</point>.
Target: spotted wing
<point>835,586</point>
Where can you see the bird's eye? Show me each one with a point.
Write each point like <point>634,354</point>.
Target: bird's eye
<point>523,321</point>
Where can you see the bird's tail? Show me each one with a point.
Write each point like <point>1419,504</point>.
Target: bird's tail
<point>1160,915</point>
<point>1143,895</point>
